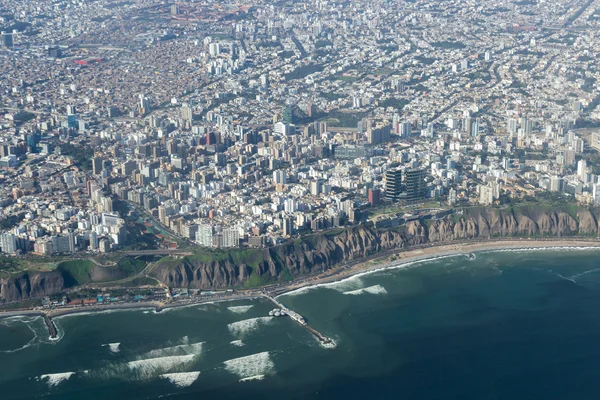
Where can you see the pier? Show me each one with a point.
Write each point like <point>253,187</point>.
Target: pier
<point>51,327</point>
<point>300,320</point>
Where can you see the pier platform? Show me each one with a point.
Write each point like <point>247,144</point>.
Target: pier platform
<point>300,320</point>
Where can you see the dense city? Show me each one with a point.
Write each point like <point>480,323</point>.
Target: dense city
<point>143,124</point>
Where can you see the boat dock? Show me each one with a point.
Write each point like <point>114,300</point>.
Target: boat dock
<point>300,320</point>
<point>51,327</point>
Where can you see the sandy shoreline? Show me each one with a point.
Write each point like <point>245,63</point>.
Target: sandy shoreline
<point>341,273</point>
<point>428,253</point>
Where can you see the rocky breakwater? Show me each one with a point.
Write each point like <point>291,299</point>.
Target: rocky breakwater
<point>318,252</point>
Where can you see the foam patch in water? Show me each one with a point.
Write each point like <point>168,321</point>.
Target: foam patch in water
<point>377,289</point>
<point>253,378</point>
<point>113,347</point>
<point>56,379</point>
<point>155,366</point>
<point>182,379</point>
<point>241,328</point>
<point>250,366</point>
<point>239,309</point>
<point>179,350</point>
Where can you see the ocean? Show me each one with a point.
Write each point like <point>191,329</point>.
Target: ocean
<point>506,325</point>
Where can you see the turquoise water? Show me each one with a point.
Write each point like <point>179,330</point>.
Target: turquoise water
<point>518,325</point>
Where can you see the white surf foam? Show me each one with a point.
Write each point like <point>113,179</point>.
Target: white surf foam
<point>155,366</point>
<point>343,285</point>
<point>241,328</point>
<point>179,350</point>
<point>113,347</point>
<point>376,289</point>
<point>55,379</point>
<point>250,366</point>
<point>253,378</point>
<point>398,265</point>
<point>182,379</point>
<point>239,309</point>
<point>29,322</point>
<point>237,343</point>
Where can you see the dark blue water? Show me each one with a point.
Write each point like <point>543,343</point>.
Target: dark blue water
<point>507,325</point>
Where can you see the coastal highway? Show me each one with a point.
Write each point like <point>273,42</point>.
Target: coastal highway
<point>158,252</point>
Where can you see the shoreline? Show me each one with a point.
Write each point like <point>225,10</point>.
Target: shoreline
<point>408,257</point>
<point>376,264</point>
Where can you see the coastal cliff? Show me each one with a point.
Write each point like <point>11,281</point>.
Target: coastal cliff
<point>30,285</point>
<point>318,252</point>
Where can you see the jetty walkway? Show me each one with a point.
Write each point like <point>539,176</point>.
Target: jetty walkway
<point>300,320</point>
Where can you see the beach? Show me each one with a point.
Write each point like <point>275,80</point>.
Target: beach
<point>435,251</point>
<point>441,322</point>
<point>374,263</point>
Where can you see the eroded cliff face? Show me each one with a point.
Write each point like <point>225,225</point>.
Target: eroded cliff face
<point>31,285</point>
<point>315,253</point>
<point>319,252</point>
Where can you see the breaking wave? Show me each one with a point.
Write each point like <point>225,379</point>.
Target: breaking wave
<point>339,285</point>
<point>182,379</point>
<point>250,366</point>
<point>351,282</point>
<point>113,347</point>
<point>241,328</point>
<point>253,378</point>
<point>377,289</point>
<point>179,350</point>
<point>55,379</point>
<point>155,366</point>
<point>239,309</point>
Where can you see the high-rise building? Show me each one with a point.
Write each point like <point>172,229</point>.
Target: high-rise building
<point>511,125</point>
<point>393,185</point>
<point>414,181</point>
<point>175,9</point>
<point>186,112</point>
<point>204,235</point>
<point>451,197</point>
<point>7,39</point>
<point>214,49</point>
<point>279,177</point>
<point>144,104</point>
<point>405,129</point>
<point>231,237</point>
<point>287,115</point>
<point>8,243</point>
<point>374,196</point>
<point>582,170</point>
<point>288,226</point>
<point>96,166</point>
